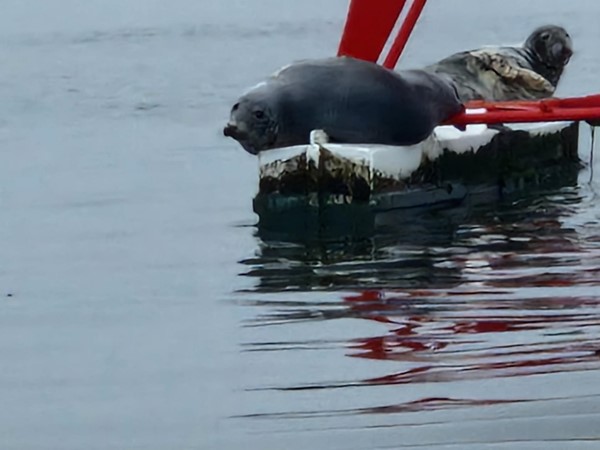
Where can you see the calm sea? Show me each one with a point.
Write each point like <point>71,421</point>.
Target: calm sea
<point>140,309</point>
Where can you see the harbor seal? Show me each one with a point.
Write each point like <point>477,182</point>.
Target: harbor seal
<point>351,100</point>
<point>529,72</point>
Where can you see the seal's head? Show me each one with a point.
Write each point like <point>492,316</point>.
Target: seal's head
<point>253,122</point>
<point>551,48</point>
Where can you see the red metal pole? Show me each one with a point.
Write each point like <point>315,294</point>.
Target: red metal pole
<point>368,27</point>
<point>589,101</point>
<point>549,110</point>
<point>405,31</point>
<point>523,116</point>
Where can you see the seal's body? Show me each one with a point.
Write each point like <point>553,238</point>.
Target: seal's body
<point>529,72</point>
<point>352,101</point>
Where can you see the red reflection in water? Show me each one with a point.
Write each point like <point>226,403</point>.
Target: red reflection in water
<point>386,348</point>
<point>428,374</point>
<point>436,404</point>
<point>437,337</point>
<point>499,325</point>
<point>463,334</point>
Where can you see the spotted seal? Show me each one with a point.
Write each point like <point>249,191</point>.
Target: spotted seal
<point>352,101</point>
<point>529,72</point>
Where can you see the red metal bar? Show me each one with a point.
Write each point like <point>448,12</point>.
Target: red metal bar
<point>590,101</point>
<point>557,115</point>
<point>368,27</point>
<point>405,31</point>
<point>549,110</point>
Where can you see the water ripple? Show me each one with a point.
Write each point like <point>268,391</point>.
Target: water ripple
<point>507,295</point>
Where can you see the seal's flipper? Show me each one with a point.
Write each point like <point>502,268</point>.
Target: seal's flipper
<point>534,81</point>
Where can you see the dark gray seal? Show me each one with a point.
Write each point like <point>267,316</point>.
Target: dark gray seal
<point>529,72</point>
<point>352,101</point>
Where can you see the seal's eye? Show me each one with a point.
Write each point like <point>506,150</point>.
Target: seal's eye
<point>259,114</point>
<point>545,36</point>
<point>235,107</point>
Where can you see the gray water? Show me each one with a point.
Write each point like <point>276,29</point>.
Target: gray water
<point>140,309</point>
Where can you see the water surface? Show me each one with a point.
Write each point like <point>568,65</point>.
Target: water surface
<point>141,309</point>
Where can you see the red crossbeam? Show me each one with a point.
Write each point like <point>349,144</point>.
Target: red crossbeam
<point>549,110</point>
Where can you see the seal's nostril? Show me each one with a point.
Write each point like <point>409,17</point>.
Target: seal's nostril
<point>233,131</point>
<point>229,130</point>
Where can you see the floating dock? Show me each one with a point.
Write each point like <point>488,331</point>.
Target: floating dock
<point>327,189</point>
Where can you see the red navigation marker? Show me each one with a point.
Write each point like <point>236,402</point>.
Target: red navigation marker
<point>368,27</point>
